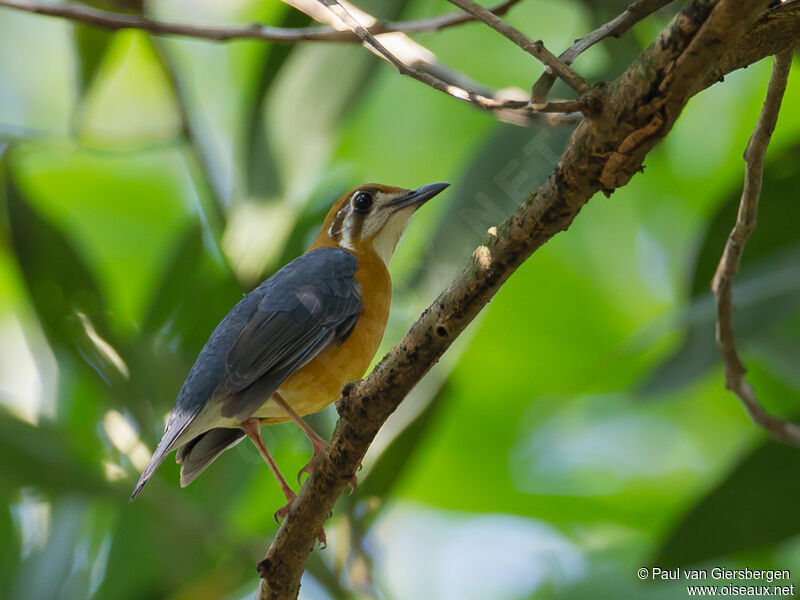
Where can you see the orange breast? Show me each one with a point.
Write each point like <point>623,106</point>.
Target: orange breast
<point>320,382</point>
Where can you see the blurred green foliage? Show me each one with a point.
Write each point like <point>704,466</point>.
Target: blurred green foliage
<point>577,431</point>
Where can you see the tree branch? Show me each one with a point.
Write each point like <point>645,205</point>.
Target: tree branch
<point>535,49</point>
<point>774,30</point>
<point>722,284</point>
<point>111,20</point>
<point>617,27</point>
<point>604,152</point>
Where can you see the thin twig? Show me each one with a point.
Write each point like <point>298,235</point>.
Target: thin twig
<point>616,27</point>
<point>535,49</point>
<point>282,35</point>
<point>346,13</point>
<point>722,284</point>
<point>369,40</point>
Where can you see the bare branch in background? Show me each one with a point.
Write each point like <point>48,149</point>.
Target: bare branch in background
<point>411,58</point>
<point>111,20</point>
<point>535,49</point>
<point>602,154</point>
<point>722,284</point>
<point>616,27</point>
<point>416,61</point>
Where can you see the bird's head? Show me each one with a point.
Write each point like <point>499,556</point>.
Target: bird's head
<point>373,216</point>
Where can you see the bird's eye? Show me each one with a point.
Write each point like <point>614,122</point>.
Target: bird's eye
<point>362,201</point>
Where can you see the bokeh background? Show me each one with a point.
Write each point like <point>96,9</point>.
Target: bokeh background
<point>577,431</point>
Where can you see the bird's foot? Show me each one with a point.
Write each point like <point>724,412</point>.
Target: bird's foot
<point>307,469</point>
<point>281,513</point>
<point>313,463</point>
<point>317,449</point>
<point>354,480</point>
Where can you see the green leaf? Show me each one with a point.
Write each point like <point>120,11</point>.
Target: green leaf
<point>778,228</point>
<point>9,549</point>
<point>755,506</point>
<point>46,458</point>
<point>91,44</point>
<point>122,213</point>
<point>765,293</point>
<point>507,166</point>
<point>193,272</point>
<point>62,290</point>
<point>262,172</point>
<point>394,460</point>
<point>299,124</point>
<point>131,100</point>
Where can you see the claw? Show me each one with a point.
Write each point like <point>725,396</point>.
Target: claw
<point>281,513</point>
<point>311,464</point>
<point>307,469</point>
<point>354,480</point>
<point>284,510</point>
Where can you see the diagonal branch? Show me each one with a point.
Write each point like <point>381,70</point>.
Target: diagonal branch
<point>722,284</point>
<point>89,15</point>
<point>535,49</point>
<point>774,30</point>
<point>639,109</point>
<point>616,27</point>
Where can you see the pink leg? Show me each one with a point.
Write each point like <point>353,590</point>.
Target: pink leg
<point>252,428</point>
<point>318,443</point>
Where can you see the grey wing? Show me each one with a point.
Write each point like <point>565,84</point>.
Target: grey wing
<point>283,334</point>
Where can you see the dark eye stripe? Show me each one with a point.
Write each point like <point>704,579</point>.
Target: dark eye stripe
<point>347,223</point>
<point>338,222</point>
<point>355,224</point>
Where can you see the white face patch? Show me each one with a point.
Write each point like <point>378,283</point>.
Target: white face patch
<point>346,237</point>
<point>385,241</point>
<point>342,227</point>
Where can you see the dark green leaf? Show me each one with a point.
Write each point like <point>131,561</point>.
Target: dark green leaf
<point>765,293</point>
<point>195,291</point>
<point>754,506</point>
<point>393,461</point>
<point>778,229</point>
<point>46,458</point>
<point>507,166</point>
<point>64,293</point>
<point>91,44</point>
<point>262,172</point>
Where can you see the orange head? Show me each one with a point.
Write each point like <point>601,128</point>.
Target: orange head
<point>373,217</point>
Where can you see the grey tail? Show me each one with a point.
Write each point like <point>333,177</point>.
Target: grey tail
<point>165,446</point>
<point>196,455</point>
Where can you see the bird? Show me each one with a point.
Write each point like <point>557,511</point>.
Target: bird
<point>288,347</point>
